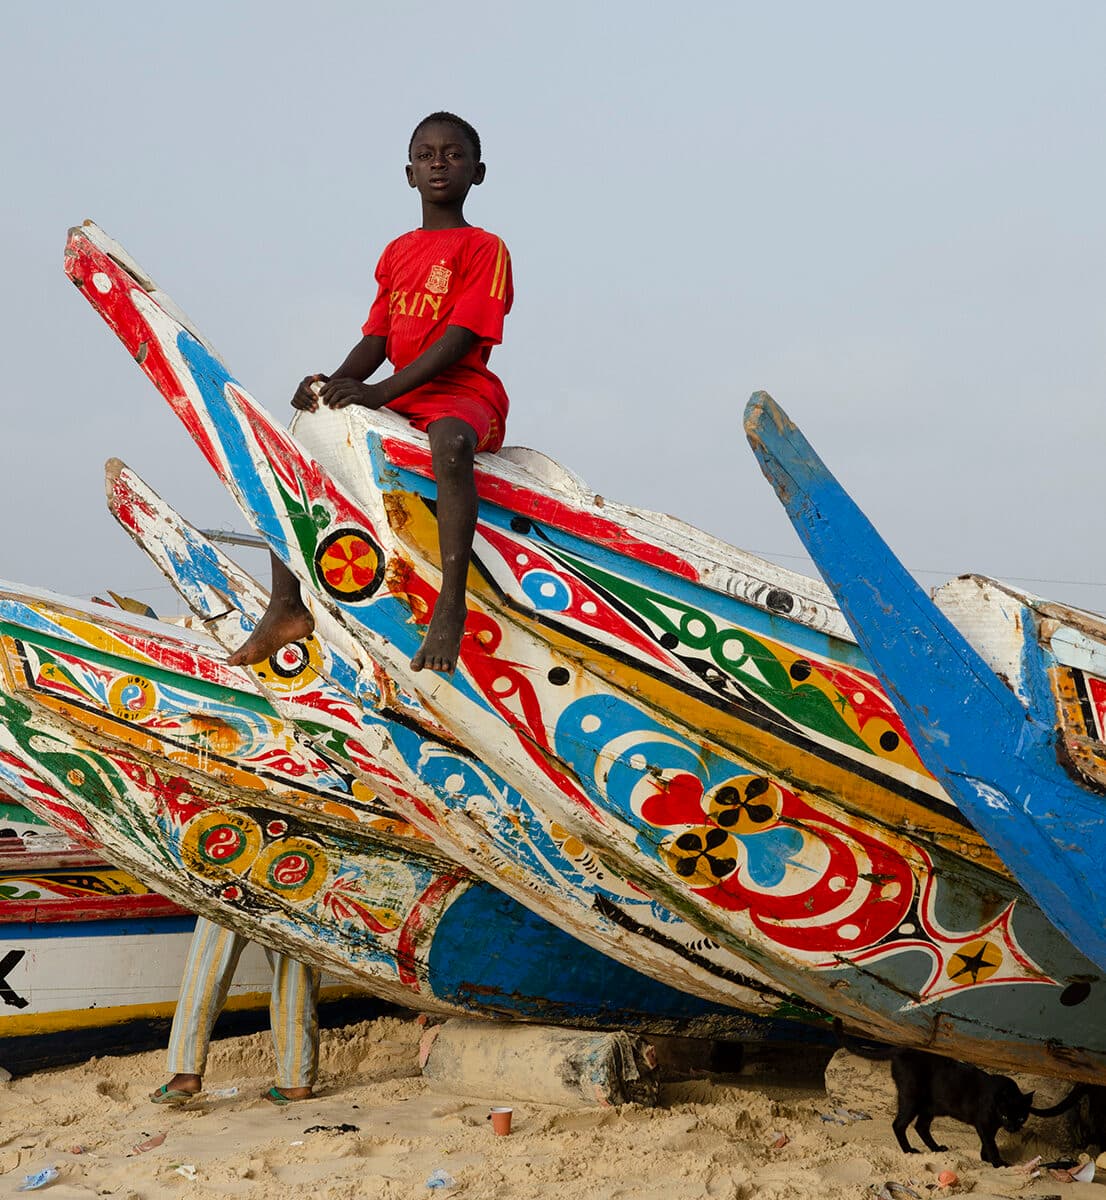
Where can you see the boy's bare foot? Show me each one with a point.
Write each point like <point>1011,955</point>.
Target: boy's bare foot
<point>442,643</point>
<point>278,627</point>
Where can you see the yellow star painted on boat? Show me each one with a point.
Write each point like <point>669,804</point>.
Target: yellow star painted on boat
<point>979,960</point>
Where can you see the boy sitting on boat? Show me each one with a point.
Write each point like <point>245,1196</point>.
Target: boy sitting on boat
<point>442,293</point>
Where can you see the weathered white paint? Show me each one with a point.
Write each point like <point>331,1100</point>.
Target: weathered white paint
<point>989,615</point>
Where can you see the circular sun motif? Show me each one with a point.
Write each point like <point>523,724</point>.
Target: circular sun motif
<point>132,697</point>
<point>746,804</point>
<point>974,963</point>
<point>702,856</point>
<point>349,565</point>
<point>219,843</point>
<point>292,867</point>
<point>285,670</point>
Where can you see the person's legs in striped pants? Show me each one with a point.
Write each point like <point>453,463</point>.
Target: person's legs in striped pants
<point>209,970</point>
<point>295,1027</point>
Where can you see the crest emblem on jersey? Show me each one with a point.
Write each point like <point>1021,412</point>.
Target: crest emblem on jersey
<point>437,282</point>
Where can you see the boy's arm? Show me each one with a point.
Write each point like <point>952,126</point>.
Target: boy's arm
<point>450,348</point>
<point>358,364</point>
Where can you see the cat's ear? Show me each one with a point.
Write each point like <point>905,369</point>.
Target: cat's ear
<point>1029,1096</point>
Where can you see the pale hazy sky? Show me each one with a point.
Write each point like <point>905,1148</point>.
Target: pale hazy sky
<point>889,216</point>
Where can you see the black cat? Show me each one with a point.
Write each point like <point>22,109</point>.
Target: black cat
<point>930,1086</point>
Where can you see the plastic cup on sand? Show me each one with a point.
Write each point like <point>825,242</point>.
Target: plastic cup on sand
<point>501,1121</point>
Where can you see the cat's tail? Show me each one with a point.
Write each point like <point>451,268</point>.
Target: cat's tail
<point>1069,1101</point>
<point>864,1050</point>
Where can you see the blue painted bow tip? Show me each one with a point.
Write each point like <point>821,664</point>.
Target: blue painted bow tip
<point>781,449</point>
<point>761,408</point>
<point>760,401</point>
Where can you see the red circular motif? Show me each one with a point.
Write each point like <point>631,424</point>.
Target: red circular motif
<point>290,870</point>
<point>222,844</point>
<point>350,565</point>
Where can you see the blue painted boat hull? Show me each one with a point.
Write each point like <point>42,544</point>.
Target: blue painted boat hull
<point>995,753</point>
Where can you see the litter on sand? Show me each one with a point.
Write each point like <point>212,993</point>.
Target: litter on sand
<point>1075,1173</point>
<point>440,1179</point>
<point>222,1093</point>
<point>893,1191</point>
<point>149,1144</point>
<point>32,1183</point>
<point>343,1128</point>
<point>845,1116</point>
<point>188,1170</point>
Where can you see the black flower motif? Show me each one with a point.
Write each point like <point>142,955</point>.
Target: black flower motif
<point>704,855</point>
<point>745,808</point>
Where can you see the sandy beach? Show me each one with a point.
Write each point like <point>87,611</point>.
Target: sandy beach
<point>758,1132</point>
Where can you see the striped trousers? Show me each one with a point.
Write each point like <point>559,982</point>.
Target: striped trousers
<point>212,959</point>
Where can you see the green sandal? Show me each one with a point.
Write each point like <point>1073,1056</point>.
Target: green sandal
<point>275,1096</point>
<point>167,1095</point>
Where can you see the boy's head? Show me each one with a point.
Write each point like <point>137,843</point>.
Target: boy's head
<point>444,162</point>
<point>447,118</point>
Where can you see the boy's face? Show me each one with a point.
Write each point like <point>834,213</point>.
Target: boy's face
<point>443,164</point>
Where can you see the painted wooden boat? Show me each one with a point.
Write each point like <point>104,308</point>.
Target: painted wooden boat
<point>469,812</point>
<point>24,832</point>
<point>376,909</point>
<point>127,682</point>
<point>703,720</point>
<point>75,987</point>
<point>1017,740</point>
<point>90,957</point>
<point>74,884</point>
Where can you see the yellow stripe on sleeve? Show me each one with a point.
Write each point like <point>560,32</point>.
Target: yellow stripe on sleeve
<point>497,278</point>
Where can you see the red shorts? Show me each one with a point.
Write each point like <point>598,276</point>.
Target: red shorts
<point>484,420</point>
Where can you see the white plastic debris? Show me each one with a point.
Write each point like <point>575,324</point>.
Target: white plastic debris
<point>32,1183</point>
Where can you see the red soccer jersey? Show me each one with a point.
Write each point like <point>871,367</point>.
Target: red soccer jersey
<point>429,279</point>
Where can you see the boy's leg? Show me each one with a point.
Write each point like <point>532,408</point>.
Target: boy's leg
<point>452,445</point>
<point>294,1023</point>
<point>208,972</point>
<point>286,619</point>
